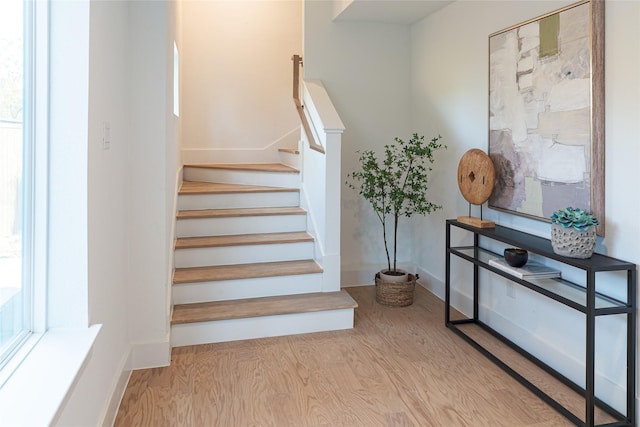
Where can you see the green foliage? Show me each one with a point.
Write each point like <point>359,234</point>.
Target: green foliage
<point>577,218</point>
<point>396,185</point>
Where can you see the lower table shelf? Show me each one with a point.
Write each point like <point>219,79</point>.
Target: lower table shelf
<point>551,386</point>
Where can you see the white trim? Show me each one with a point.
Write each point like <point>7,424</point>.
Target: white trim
<point>320,107</point>
<point>41,176</point>
<point>266,154</point>
<point>173,235</point>
<point>151,354</point>
<point>430,283</point>
<point>35,127</point>
<point>117,392</point>
<point>26,399</point>
<point>15,359</point>
<point>365,275</point>
<point>261,327</point>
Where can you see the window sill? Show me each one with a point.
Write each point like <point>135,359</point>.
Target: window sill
<point>39,386</point>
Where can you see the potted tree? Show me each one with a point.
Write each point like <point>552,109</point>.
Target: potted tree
<point>396,186</point>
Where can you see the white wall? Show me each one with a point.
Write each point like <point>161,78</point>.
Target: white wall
<point>131,192</point>
<point>365,68</point>
<point>385,80</point>
<point>450,86</point>
<point>237,77</point>
<point>106,193</point>
<point>152,176</point>
<point>68,163</point>
<point>444,91</point>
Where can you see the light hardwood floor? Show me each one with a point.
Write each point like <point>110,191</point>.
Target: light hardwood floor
<point>397,367</point>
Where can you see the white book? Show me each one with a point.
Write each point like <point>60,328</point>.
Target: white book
<point>531,270</point>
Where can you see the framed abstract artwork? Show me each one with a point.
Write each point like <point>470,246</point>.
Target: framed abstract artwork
<point>546,113</point>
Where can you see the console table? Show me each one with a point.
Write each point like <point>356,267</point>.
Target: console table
<point>582,297</point>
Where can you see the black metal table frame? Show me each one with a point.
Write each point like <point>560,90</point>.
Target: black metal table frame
<point>543,248</point>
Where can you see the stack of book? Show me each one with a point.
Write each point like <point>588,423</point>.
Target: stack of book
<point>531,270</point>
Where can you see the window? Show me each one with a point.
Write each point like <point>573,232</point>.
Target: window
<point>20,206</point>
<point>176,80</point>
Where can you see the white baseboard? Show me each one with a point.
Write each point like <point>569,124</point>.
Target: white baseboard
<point>365,275</point>
<point>430,283</point>
<point>117,392</point>
<point>151,355</point>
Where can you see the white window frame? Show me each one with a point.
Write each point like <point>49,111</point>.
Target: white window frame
<point>35,177</point>
<point>63,339</point>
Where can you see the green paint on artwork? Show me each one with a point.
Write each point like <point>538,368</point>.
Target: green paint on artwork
<point>532,203</point>
<point>549,30</point>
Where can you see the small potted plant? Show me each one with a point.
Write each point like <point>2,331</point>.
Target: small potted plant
<point>396,186</point>
<point>573,232</point>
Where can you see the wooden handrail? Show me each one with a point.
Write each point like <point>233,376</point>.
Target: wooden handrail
<point>297,63</point>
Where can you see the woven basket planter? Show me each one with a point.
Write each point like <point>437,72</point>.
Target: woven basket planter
<point>395,294</point>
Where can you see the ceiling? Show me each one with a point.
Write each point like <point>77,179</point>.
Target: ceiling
<point>389,11</point>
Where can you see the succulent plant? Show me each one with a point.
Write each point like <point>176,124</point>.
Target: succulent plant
<point>577,218</point>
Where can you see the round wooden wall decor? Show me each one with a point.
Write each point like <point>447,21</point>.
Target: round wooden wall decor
<point>476,176</point>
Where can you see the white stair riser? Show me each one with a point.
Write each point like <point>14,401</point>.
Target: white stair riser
<point>260,327</point>
<point>240,225</point>
<point>187,293</point>
<point>231,255</point>
<point>290,159</point>
<point>238,200</point>
<point>227,176</point>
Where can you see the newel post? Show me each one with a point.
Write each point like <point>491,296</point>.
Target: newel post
<point>333,202</point>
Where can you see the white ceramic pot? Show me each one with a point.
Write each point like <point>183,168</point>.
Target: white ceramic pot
<point>386,276</point>
<point>572,243</point>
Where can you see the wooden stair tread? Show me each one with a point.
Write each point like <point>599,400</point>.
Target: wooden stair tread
<point>243,239</point>
<point>196,187</point>
<point>242,212</point>
<point>245,271</point>
<point>250,167</point>
<point>259,307</point>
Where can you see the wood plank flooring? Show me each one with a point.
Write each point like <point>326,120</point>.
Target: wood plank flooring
<point>397,367</point>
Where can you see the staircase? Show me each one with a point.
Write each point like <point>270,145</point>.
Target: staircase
<point>244,262</point>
